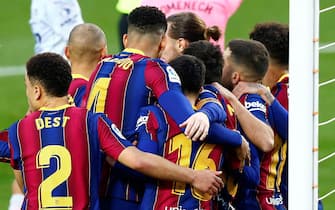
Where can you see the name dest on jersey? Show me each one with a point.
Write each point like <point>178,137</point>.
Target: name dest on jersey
<point>48,122</point>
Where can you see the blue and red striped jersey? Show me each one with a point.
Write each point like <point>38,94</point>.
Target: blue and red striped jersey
<point>159,134</point>
<point>119,87</point>
<point>58,152</point>
<point>274,173</point>
<point>77,88</point>
<point>246,197</point>
<point>4,148</point>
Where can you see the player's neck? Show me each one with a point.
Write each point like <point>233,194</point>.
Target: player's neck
<point>144,45</point>
<point>274,73</point>
<point>192,98</point>
<point>51,102</point>
<point>84,69</point>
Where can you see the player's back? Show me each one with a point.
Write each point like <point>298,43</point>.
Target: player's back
<point>77,88</point>
<point>58,153</point>
<point>123,83</point>
<point>159,134</point>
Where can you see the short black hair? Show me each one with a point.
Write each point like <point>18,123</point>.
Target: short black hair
<point>275,37</point>
<point>146,19</point>
<point>251,55</point>
<point>212,57</point>
<point>191,71</point>
<point>52,71</point>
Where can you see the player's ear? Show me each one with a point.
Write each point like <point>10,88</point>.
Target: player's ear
<point>67,52</point>
<point>182,44</point>
<point>235,77</point>
<point>125,40</point>
<point>37,92</point>
<point>103,52</point>
<point>162,43</point>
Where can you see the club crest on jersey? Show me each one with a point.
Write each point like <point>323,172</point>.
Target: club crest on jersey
<point>117,132</point>
<point>172,75</point>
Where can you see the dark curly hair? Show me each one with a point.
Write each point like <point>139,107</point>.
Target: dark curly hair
<point>275,37</point>
<point>189,26</point>
<point>191,71</point>
<point>52,71</point>
<point>146,19</point>
<point>212,57</point>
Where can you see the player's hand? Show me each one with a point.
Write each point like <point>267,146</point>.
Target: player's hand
<point>224,91</point>
<point>243,152</point>
<point>196,126</point>
<point>254,88</point>
<point>207,181</point>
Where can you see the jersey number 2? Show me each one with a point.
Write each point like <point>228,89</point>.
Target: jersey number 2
<point>46,200</point>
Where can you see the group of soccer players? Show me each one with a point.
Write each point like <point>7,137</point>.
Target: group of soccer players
<point>140,132</point>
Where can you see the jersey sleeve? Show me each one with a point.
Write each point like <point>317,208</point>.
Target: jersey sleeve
<point>251,173</point>
<point>147,128</point>
<point>4,148</point>
<point>15,152</point>
<point>278,119</point>
<point>218,134</point>
<point>166,87</point>
<point>209,104</point>
<point>257,106</point>
<point>111,140</point>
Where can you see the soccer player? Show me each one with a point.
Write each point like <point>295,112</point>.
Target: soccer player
<point>86,46</point>
<point>159,134</point>
<point>273,187</point>
<point>125,82</point>
<point>247,60</point>
<point>55,150</point>
<point>51,22</point>
<point>258,132</point>
<point>213,12</point>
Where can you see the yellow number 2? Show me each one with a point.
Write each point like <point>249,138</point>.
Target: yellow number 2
<point>63,157</point>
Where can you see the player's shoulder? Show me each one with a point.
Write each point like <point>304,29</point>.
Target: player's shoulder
<point>254,102</point>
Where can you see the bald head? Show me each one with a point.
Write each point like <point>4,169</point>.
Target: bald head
<point>86,41</point>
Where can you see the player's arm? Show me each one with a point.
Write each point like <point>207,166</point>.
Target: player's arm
<point>206,181</point>
<point>278,114</point>
<point>4,148</point>
<point>165,84</point>
<point>251,172</point>
<point>115,145</point>
<point>257,131</point>
<point>18,178</point>
<point>210,104</point>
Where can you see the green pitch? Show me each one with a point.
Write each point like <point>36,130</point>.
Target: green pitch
<point>16,46</point>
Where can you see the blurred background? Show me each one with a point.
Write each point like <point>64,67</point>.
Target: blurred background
<point>17,44</point>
